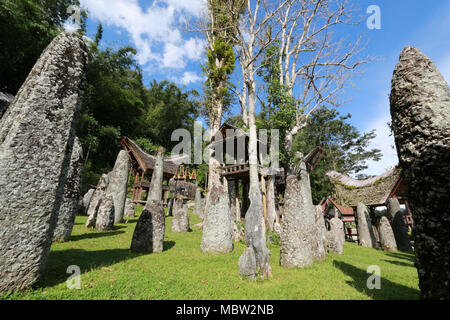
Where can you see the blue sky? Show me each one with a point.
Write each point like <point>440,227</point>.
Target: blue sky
<point>167,51</point>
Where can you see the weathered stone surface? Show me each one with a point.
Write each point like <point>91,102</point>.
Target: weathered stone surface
<point>180,220</point>
<point>387,239</point>
<point>217,236</point>
<point>247,264</point>
<point>198,210</point>
<point>420,109</point>
<point>99,194</point>
<point>148,235</point>
<point>232,192</point>
<point>105,214</point>
<point>336,236</point>
<point>118,182</point>
<point>129,209</point>
<point>5,101</point>
<point>399,226</point>
<point>299,236</point>
<point>69,206</point>
<point>149,232</point>
<point>319,246</point>
<point>271,205</point>
<point>364,226</point>
<point>86,201</point>
<point>36,141</point>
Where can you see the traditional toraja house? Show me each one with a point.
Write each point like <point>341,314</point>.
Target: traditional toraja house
<point>142,165</point>
<point>373,192</point>
<point>232,142</point>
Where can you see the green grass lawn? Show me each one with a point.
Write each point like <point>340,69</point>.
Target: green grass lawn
<point>109,270</point>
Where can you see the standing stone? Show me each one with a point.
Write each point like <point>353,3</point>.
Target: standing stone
<point>336,235</point>
<point>5,101</point>
<point>217,236</point>
<point>364,226</point>
<point>99,194</point>
<point>299,225</point>
<point>232,191</point>
<point>36,141</point>
<point>118,184</point>
<point>271,205</point>
<point>420,109</point>
<point>198,203</point>
<point>387,239</point>
<point>399,226</point>
<point>247,264</point>
<point>105,214</point>
<point>129,209</point>
<point>72,189</point>
<point>148,235</point>
<point>320,236</point>
<point>180,221</point>
<point>86,201</point>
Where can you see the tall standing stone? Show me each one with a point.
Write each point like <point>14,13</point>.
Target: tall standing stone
<point>298,238</point>
<point>129,209</point>
<point>364,226</point>
<point>149,232</point>
<point>180,221</point>
<point>36,139</point>
<point>99,194</point>
<point>399,226</point>
<point>420,109</point>
<point>320,236</point>
<point>86,201</point>
<point>387,239</point>
<point>105,214</point>
<point>118,183</point>
<point>336,235</point>
<point>69,206</point>
<point>198,209</point>
<point>217,236</point>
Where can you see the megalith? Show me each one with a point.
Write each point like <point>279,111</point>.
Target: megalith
<point>129,209</point>
<point>364,226</point>
<point>217,236</point>
<point>319,246</point>
<point>5,101</point>
<point>420,109</point>
<point>180,220</point>
<point>105,214</point>
<point>399,226</point>
<point>299,236</point>
<point>99,194</point>
<point>72,188</point>
<point>336,235</point>
<point>247,264</point>
<point>198,209</point>
<point>118,183</point>
<point>387,239</point>
<point>148,235</point>
<point>36,140</point>
<point>86,201</point>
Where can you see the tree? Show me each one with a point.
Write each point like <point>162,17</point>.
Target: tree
<point>26,28</point>
<point>346,149</point>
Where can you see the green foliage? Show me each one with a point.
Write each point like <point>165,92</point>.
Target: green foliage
<point>346,149</point>
<point>26,28</point>
<point>109,270</point>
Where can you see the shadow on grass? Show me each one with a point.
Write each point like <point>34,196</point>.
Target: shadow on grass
<point>167,245</point>
<point>92,235</point>
<point>399,263</point>
<point>400,255</point>
<point>389,290</point>
<point>59,261</point>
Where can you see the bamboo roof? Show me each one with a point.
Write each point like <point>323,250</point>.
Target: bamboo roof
<point>371,192</point>
<point>142,161</point>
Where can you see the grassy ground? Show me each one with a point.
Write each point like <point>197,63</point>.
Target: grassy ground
<point>109,270</point>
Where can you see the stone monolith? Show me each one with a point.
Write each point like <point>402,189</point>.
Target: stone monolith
<point>105,214</point>
<point>420,109</point>
<point>217,236</point>
<point>387,239</point>
<point>399,226</point>
<point>364,226</point>
<point>72,188</point>
<point>129,209</point>
<point>86,201</point>
<point>180,221</point>
<point>37,133</point>
<point>118,183</point>
<point>99,194</point>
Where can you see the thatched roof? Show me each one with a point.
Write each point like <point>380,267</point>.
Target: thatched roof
<point>373,191</point>
<point>146,162</point>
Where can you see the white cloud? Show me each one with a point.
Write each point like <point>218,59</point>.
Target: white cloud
<point>188,77</point>
<point>154,30</point>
